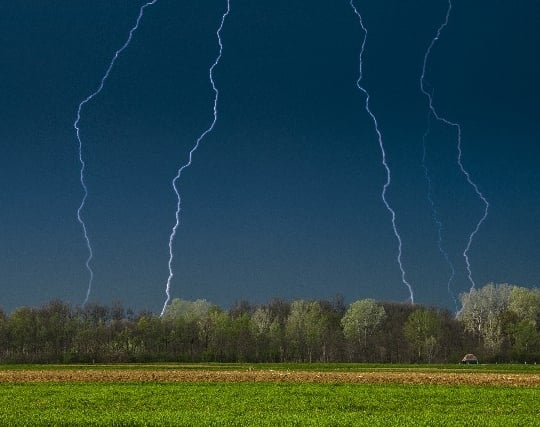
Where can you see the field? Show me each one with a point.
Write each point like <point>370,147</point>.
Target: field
<point>270,395</point>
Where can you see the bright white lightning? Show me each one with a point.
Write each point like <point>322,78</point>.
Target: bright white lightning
<point>190,159</point>
<point>436,217</point>
<point>383,153</point>
<point>456,126</point>
<point>81,157</point>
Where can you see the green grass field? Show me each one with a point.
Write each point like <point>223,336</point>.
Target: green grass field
<point>270,404</point>
<point>324,367</point>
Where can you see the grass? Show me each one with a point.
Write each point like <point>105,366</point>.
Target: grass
<point>323,367</point>
<point>270,404</point>
<point>213,404</point>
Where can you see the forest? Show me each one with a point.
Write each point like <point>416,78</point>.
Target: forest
<point>498,322</point>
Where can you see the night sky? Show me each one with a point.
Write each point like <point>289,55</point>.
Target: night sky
<point>283,197</point>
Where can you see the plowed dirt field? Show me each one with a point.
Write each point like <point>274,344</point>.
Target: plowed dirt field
<point>133,375</point>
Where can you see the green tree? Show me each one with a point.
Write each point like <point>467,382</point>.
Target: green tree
<point>527,339</point>
<point>55,331</point>
<point>423,330</point>
<point>525,303</point>
<point>188,310</point>
<point>317,327</point>
<point>296,330</point>
<point>4,336</point>
<point>218,336</point>
<point>332,339</point>
<point>243,339</point>
<point>279,310</point>
<point>305,330</point>
<point>362,319</point>
<point>261,322</point>
<point>24,333</point>
<point>151,337</point>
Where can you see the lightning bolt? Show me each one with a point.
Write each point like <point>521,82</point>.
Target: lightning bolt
<point>190,159</point>
<point>80,145</point>
<point>457,127</point>
<point>435,215</point>
<point>383,153</point>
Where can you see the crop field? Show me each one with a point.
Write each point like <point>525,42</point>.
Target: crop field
<point>208,395</point>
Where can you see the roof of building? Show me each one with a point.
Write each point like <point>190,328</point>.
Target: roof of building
<point>469,356</point>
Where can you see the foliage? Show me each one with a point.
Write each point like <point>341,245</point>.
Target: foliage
<point>361,320</point>
<point>525,303</point>
<point>305,329</point>
<point>423,330</point>
<point>504,319</point>
<point>187,310</point>
<point>497,323</point>
<point>481,313</point>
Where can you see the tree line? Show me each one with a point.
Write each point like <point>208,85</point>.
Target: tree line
<point>499,323</point>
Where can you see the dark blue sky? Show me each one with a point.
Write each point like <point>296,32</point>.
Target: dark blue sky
<point>283,198</point>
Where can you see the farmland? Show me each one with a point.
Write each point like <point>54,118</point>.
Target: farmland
<point>269,395</point>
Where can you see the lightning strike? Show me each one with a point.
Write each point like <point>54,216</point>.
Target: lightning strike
<point>190,159</point>
<point>383,153</point>
<point>457,127</point>
<point>436,217</point>
<point>80,145</point>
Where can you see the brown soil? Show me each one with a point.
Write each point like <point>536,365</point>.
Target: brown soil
<point>134,375</point>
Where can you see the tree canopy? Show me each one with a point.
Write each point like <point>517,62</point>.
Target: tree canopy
<point>496,322</point>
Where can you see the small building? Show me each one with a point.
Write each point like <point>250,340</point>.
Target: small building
<point>470,359</point>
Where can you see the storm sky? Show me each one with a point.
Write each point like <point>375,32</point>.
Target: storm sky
<point>283,197</point>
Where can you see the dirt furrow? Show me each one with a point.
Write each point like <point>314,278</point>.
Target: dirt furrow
<point>134,375</point>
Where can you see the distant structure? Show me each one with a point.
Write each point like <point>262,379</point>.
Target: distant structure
<point>469,359</point>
